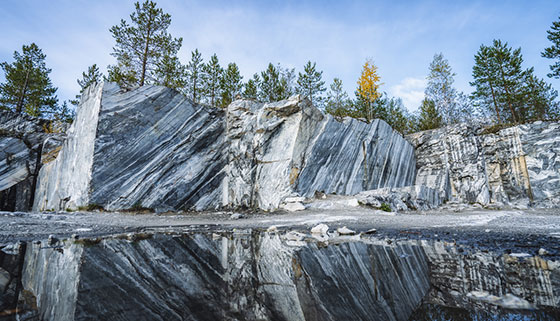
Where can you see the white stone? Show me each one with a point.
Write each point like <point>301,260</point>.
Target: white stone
<point>345,231</point>
<point>293,207</point>
<point>294,236</point>
<point>321,229</point>
<point>294,200</point>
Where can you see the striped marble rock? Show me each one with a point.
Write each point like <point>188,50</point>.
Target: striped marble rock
<point>145,148</point>
<point>513,166</point>
<point>152,148</point>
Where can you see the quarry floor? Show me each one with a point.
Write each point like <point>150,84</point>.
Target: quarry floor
<point>523,231</point>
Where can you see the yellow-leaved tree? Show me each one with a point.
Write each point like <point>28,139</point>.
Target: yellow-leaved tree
<point>368,92</point>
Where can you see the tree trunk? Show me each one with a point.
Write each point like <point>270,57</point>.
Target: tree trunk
<point>194,90</point>
<point>19,106</point>
<point>495,103</point>
<point>508,96</point>
<point>145,57</point>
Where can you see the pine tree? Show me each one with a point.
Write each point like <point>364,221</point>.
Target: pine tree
<point>310,83</point>
<point>338,102</point>
<point>287,82</point>
<point>211,84</point>
<point>397,115</point>
<point>367,92</point>
<point>27,87</point>
<point>553,52</point>
<point>540,98</point>
<point>498,74</point>
<point>195,77</point>
<point>485,82</point>
<point>440,88</point>
<point>252,87</point>
<point>510,76</point>
<point>231,84</point>
<point>92,76</point>
<point>271,87</point>
<point>64,113</point>
<point>141,47</point>
<point>430,117</point>
<point>170,73</point>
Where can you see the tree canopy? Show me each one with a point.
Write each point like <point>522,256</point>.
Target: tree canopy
<point>440,89</point>
<point>368,91</point>
<point>502,85</point>
<point>89,77</point>
<point>310,83</point>
<point>553,52</point>
<point>144,49</point>
<point>27,87</point>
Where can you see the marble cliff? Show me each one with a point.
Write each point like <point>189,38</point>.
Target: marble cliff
<point>153,148</point>
<point>516,165</point>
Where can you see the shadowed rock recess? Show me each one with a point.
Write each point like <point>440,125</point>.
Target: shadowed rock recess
<point>24,142</point>
<point>151,147</point>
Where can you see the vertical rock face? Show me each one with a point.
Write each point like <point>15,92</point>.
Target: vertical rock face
<point>24,144</point>
<point>151,147</point>
<point>65,181</point>
<point>145,148</point>
<point>520,163</point>
<point>290,148</point>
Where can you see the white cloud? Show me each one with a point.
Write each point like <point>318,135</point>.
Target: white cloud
<point>411,90</point>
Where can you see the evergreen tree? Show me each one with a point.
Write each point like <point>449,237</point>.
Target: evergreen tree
<point>430,117</point>
<point>440,88</point>
<point>231,84</point>
<point>211,84</point>
<point>510,76</point>
<point>485,81</point>
<point>27,87</point>
<point>252,87</point>
<point>273,86</point>
<point>287,81</point>
<point>397,115</point>
<point>170,73</point>
<point>497,74</point>
<point>368,92</point>
<point>195,77</point>
<point>310,83</point>
<point>553,52</point>
<point>540,98</point>
<point>338,102</point>
<point>141,47</point>
<point>64,113</point>
<point>92,76</point>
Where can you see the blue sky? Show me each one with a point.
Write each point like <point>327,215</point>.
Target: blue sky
<point>400,36</point>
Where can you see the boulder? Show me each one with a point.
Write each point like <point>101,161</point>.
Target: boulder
<point>409,198</point>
